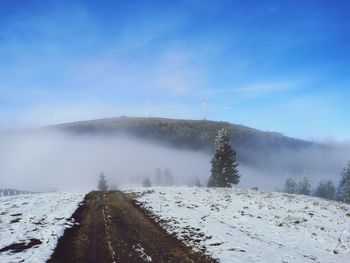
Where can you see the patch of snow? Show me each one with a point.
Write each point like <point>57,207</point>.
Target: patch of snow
<point>42,217</point>
<point>107,223</point>
<point>244,225</point>
<point>141,251</point>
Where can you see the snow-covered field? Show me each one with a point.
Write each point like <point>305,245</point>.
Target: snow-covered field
<point>36,220</point>
<point>242,225</point>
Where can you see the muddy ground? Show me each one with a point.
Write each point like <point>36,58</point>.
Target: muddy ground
<point>112,228</point>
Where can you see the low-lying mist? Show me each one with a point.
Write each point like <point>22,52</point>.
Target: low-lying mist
<point>316,162</point>
<point>55,160</point>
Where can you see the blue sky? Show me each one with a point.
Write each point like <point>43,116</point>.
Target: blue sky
<point>272,65</point>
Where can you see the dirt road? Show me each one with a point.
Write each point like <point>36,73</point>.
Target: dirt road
<point>113,229</point>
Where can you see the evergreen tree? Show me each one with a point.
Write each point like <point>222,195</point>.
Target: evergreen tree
<point>330,190</point>
<point>344,185</point>
<point>197,182</point>
<point>158,176</point>
<point>290,186</point>
<point>325,189</point>
<point>304,187</point>
<point>224,171</point>
<point>102,183</point>
<point>146,182</point>
<point>168,178</point>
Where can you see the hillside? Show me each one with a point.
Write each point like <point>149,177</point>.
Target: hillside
<point>32,224</point>
<point>243,225</point>
<point>173,224</point>
<point>193,134</point>
<point>251,144</point>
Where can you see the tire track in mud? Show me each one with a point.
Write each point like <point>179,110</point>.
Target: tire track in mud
<point>113,229</point>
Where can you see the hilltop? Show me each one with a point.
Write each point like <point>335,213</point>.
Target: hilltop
<point>192,134</point>
<point>253,146</point>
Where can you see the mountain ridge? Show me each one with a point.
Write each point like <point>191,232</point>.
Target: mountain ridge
<point>252,145</point>
<point>125,123</point>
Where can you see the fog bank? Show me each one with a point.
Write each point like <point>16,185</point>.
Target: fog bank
<point>317,162</point>
<point>56,160</point>
<point>52,160</point>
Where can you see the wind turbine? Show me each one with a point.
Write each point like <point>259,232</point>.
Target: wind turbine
<point>204,107</point>
<point>149,106</point>
<point>312,126</point>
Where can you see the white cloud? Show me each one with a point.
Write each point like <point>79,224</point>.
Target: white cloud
<point>61,112</point>
<point>254,89</point>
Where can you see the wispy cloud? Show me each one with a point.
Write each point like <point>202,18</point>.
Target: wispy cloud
<point>250,91</point>
<point>257,89</point>
<point>72,58</point>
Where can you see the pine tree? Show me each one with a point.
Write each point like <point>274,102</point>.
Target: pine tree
<point>168,178</point>
<point>304,187</point>
<point>102,183</point>
<point>146,182</point>
<point>158,176</point>
<point>344,185</point>
<point>224,171</point>
<point>290,186</point>
<point>197,182</point>
<point>325,189</point>
<point>330,190</point>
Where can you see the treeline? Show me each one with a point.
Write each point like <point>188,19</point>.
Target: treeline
<point>251,144</point>
<point>325,188</point>
<point>9,192</point>
<point>161,178</point>
<point>166,178</point>
<point>225,173</point>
